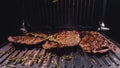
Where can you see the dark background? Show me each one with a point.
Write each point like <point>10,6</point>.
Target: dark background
<point>12,14</point>
<point>113,19</point>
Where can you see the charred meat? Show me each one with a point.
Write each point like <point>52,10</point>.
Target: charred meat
<point>89,41</point>
<point>51,45</point>
<point>57,40</point>
<point>63,39</point>
<point>35,34</point>
<point>25,40</point>
<point>94,42</point>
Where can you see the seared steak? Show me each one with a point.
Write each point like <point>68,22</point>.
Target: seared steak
<point>63,39</point>
<point>35,34</point>
<point>25,40</point>
<point>94,42</point>
<point>91,42</point>
<point>51,45</point>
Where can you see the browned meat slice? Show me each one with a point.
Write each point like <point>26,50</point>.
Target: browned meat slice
<point>63,39</point>
<point>25,40</point>
<point>94,42</point>
<point>51,45</point>
<point>35,34</point>
<point>69,38</point>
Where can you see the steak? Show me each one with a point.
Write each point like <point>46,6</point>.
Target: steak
<point>25,40</point>
<point>63,39</point>
<point>52,45</point>
<point>58,40</point>
<point>94,42</point>
<point>37,34</point>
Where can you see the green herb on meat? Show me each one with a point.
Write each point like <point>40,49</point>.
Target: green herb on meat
<point>1,52</point>
<point>12,59</point>
<point>57,65</point>
<point>19,60</point>
<point>66,57</point>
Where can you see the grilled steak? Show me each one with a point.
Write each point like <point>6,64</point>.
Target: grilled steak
<point>94,42</point>
<point>41,35</point>
<point>51,45</point>
<point>25,40</point>
<point>63,39</point>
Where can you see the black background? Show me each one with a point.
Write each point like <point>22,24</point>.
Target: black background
<point>11,15</point>
<point>113,19</point>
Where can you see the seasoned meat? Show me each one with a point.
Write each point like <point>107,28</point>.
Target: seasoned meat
<point>63,39</point>
<point>94,42</point>
<point>51,45</point>
<point>41,35</point>
<point>25,40</point>
<point>68,38</point>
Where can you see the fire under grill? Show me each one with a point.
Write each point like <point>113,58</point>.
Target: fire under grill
<point>22,56</point>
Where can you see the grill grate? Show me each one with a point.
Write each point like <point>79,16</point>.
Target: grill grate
<point>20,56</point>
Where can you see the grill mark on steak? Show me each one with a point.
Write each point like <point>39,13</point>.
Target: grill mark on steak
<point>52,45</point>
<point>57,40</point>
<point>25,40</point>
<point>68,38</point>
<point>89,41</point>
<point>94,42</point>
<point>63,39</point>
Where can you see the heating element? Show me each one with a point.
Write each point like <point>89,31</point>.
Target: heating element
<point>23,56</point>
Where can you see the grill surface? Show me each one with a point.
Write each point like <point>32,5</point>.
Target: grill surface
<point>20,56</point>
